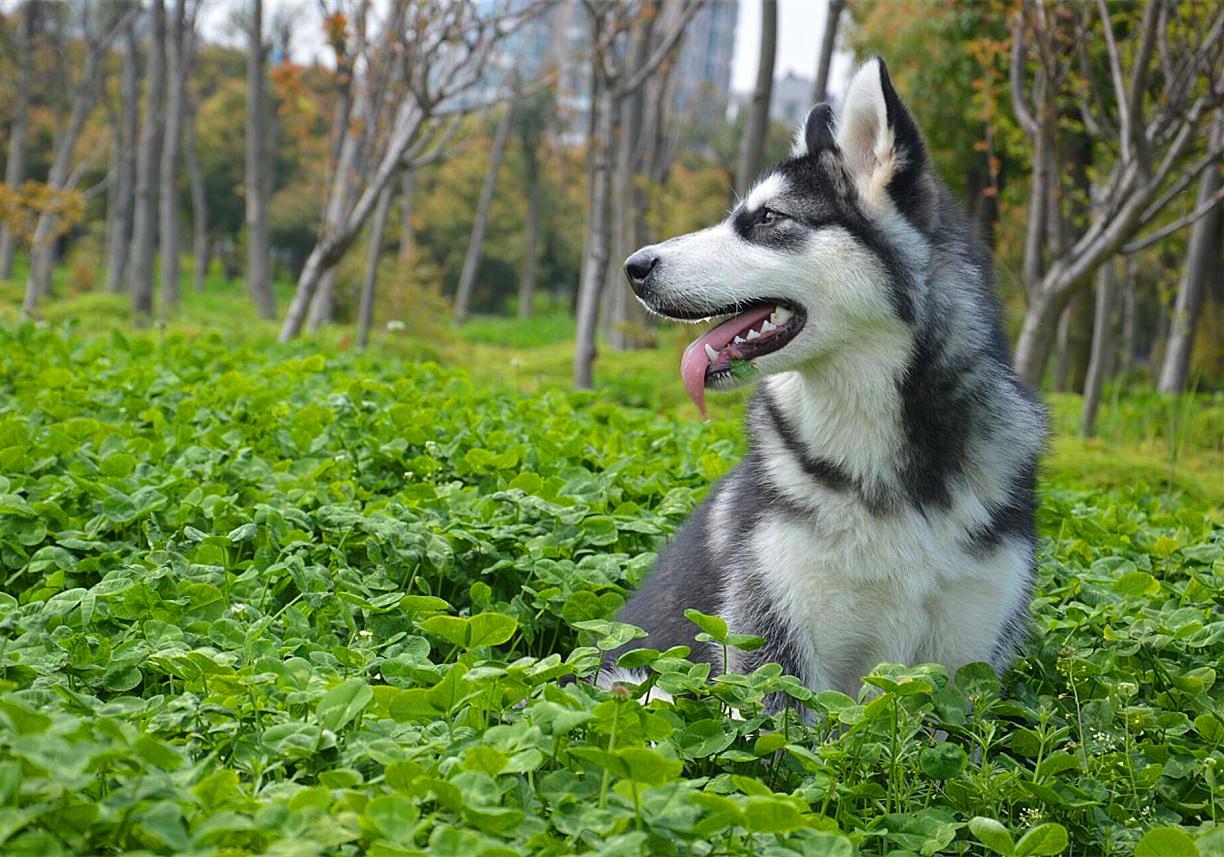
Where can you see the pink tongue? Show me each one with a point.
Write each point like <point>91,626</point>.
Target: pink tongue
<point>695,361</point>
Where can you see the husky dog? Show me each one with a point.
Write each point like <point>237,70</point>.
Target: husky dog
<point>884,511</point>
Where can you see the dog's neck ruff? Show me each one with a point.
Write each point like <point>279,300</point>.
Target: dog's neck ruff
<point>840,417</point>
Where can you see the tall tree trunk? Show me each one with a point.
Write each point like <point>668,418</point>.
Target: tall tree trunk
<point>60,176</point>
<point>1130,318</point>
<point>624,318</point>
<point>259,261</point>
<point>1062,352</point>
<point>820,89</point>
<point>1202,255</point>
<point>471,260</point>
<point>598,243</point>
<point>1074,353</point>
<point>407,243</point>
<point>14,167</point>
<point>1037,334</point>
<point>177,64</point>
<point>531,233</point>
<point>199,201</point>
<point>753,142</point>
<point>122,190</point>
<point>1102,339</point>
<point>144,226</point>
<point>378,226</point>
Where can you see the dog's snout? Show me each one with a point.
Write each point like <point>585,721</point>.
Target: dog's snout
<point>638,268</point>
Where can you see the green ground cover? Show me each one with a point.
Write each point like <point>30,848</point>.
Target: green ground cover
<point>294,600</point>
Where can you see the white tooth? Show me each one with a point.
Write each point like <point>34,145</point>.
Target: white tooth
<point>711,353</point>
<point>752,334</point>
<point>782,314</point>
<point>766,327</point>
<point>773,316</point>
<point>738,340</point>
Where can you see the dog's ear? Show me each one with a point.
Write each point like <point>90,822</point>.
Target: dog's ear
<point>881,144</point>
<point>817,131</point>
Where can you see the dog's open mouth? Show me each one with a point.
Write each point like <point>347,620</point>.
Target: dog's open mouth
<point>731,347</point>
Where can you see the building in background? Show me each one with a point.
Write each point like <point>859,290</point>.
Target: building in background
<point>560,42</point>
<point>792,99</point>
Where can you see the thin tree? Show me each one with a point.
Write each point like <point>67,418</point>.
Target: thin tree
<point>1202,259</point>
<point>180,48</point>
<point>378,226</point>
<point>752,144</point>
<point>471,259</point>
<point>643,158</point>
<point>534,116</point>
<point>199,201</point>
<point>828,40</point>
<point>148,161</point>
<point>1102,343</point>
<point>63,175</point>
<point>611,23</point>
<point>442,49</point>
<point>122,191</point>
<point>1153,131</point>
<point>14,167</point>
<point>259,259</point>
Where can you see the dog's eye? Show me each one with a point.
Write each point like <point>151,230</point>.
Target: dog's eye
<point>770,217</point>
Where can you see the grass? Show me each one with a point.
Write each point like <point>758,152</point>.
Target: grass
<point>299,599</point>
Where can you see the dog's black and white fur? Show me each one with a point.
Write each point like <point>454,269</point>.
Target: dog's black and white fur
<point>884,511</point>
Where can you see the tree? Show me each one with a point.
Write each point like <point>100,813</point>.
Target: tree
<point>14,167</point>
<point>1102,344</point>
<point>828,39</point>
<point>611,24</point>
<point>534,116</point>
<point>199,200</point>
<point>378,226</point>
<point>471,260</point>
<point>753,142</point>
<point>180,48</point>
<point>148,160</point>
<point>63,177</point>
<point>1145,139</point>
<point>1202,258</point>
<point>122,192</point>
<point>440,51</point>
<point>256,182</point>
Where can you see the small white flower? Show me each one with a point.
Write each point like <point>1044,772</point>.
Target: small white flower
<point>396,324</point>
<point>237,608</point>
<point>365,633</point>
<point>516,363</point>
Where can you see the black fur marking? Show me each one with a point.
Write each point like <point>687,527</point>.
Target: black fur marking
<point>1014,518</point>
<point>878,501</point>
<point>818,130</point>
<point>825,472</point>
<point>936,416</point>
<point>783,235</point>
<point>905,186</point>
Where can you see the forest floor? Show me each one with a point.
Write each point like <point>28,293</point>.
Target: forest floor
<point>293,598</point>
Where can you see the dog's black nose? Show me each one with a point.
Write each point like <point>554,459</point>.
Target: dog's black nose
<point>638,268</point>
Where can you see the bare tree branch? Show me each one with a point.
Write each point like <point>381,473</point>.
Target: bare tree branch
<point>1181,222</point>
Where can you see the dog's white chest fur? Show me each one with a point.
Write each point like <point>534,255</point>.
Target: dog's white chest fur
<point>855,593</point>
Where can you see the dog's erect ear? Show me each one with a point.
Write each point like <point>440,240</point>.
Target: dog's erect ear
<point>881,144</point>
<point>818,129</point>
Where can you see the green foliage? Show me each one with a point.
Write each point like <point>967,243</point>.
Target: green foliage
<point>267,599</point>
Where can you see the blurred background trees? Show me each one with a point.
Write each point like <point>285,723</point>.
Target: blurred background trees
<point>501,157</point>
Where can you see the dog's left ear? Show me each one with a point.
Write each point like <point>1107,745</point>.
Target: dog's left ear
<point>882,146</point>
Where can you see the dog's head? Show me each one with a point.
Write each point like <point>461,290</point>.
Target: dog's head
<point>819,254</point>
